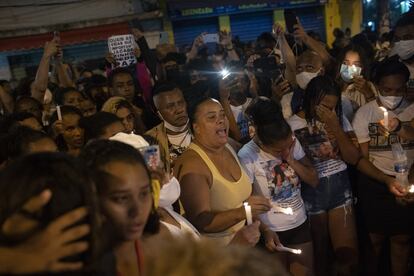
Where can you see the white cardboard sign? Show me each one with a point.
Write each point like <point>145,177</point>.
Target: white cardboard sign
<point>122,47</point>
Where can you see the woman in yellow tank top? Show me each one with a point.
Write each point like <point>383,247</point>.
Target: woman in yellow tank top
<point>213,184</point>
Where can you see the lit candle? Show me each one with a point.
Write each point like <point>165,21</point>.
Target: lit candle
<point>287,211</point>
<point>411,190</point>
<point>59,114</point>
<point>248,210</point>
<point>282,248</point>
<point>385,116</point>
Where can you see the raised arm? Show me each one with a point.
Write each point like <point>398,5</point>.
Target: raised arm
<point>42,76</point>
<point>149,57</point>
<point>225,41</point>
<point>198,42</point>
<point>287,54</point>
<point>225,102</point>
<point>312,44</point>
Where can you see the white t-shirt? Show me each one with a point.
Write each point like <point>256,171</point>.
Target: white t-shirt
<point>277,181</point>
<point>185,226</point>
<point>366,129</point>
<point>241,118</point>
<point>322,151</point>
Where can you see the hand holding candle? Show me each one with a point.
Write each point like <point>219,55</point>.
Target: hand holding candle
<point>248,210</point>
<point>385,116</point>
<point>282,248</point>
<point>59,113</point>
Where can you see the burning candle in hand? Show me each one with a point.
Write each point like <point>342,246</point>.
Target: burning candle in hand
<point>248,210</point>
<point>385,116</point>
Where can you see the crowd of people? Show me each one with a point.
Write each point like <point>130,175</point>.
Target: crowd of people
<point>214,160</point>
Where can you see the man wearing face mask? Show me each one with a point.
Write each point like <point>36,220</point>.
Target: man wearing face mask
<point>173,133</point>
<point>404,45</point>
<point>384,217</point>
<point>308,66</point>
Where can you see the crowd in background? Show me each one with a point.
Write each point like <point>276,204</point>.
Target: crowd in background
<point>303,133</point>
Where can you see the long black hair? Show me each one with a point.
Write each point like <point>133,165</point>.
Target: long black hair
<point>99,153</point>
<point>363,57</point>
<point>268,120</point>
<point>318,88</point>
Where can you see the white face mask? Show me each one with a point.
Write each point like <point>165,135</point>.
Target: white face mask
<point>390,102</point>
<point>169,193</point>
<point>303,79</point>
<point>349,71</point>
<point>404,49</point>
<point>169,126</point>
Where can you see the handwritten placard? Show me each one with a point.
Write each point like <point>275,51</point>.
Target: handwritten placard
<point>122,47</point>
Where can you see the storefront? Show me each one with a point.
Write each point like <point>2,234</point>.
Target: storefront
<point>246,21</point>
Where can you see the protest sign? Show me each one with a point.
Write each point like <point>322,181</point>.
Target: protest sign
<point>122,47</point>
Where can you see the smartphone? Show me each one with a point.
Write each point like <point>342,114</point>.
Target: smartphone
<point>211,38</point>
<point>290,20</point>
<point>151,156</point>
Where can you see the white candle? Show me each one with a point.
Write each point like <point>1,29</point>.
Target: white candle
<point>59,114</point>
<point>385,117</point>
<point>282,248</point>
<point>248,210</point>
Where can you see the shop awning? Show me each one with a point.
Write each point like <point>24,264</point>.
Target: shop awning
<point>75,36</point>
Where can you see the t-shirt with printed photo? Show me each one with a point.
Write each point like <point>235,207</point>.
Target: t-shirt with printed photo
<point>321,149</point>
<point>276,180</point>
<point>366,125</point>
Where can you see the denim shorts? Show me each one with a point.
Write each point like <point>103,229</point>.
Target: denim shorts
<point>332,192</point>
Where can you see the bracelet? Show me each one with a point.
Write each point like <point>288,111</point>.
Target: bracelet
<point>230,49</point>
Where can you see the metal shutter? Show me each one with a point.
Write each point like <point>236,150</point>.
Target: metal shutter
<point>249,26</point>
<point>185,31</point>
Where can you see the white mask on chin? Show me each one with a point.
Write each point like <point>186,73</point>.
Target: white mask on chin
<point>303,79</point>
<point>390,102</point>
<point>169,193</point>
<point>169,126</point>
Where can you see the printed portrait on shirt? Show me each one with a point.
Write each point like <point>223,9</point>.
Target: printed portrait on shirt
<point>282,180</point>
<point>316,143</point>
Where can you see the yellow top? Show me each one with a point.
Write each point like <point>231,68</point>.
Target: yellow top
<point>225,195</point>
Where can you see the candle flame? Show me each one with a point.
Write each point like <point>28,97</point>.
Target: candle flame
<point>411,190</point>
<point>288,211</point>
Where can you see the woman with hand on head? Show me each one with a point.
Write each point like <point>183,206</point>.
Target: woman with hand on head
<point>49,218</point>
<point>328,146</point>
<point>213,183</point>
